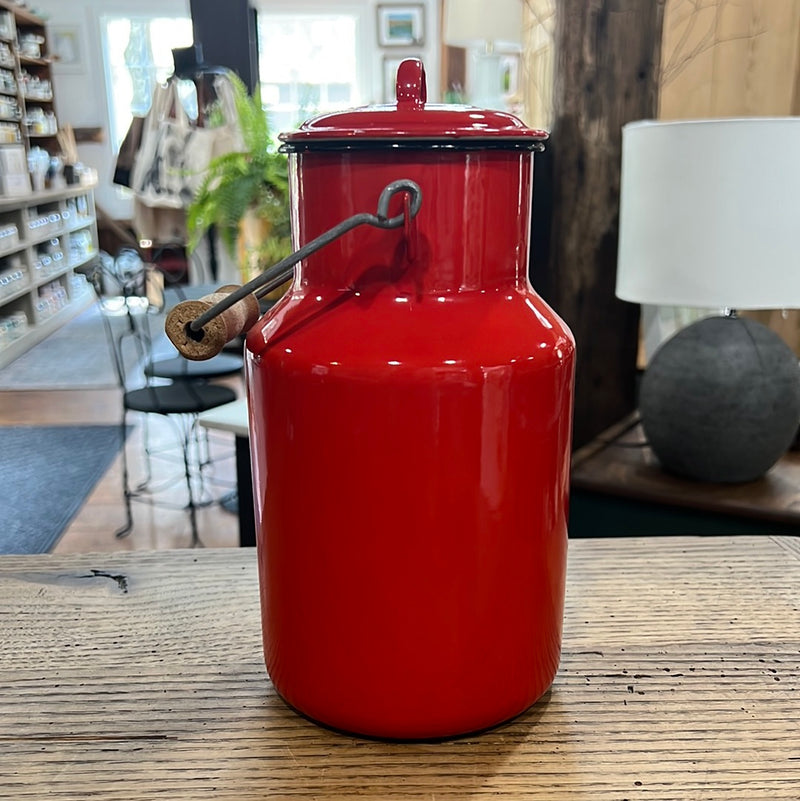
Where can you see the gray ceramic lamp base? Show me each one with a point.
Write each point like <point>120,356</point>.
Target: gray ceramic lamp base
<point>720,401</point>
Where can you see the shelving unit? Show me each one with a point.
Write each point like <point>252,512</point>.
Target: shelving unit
<point>47,240</point>
<point>46,237</point>
<point>26,86</point>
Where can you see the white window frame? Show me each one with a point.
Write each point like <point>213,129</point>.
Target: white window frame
<point>358,10</point>
<point>370,61</point>
<point>291,107</point>
<point>143,13</point>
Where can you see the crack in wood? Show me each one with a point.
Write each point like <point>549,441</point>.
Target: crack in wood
<point>122,581</point>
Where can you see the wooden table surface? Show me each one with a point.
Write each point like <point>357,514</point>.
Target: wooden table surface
<point>140,676</point>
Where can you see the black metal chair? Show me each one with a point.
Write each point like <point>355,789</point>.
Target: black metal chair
<point>130,330</point>
<point>176,368</point>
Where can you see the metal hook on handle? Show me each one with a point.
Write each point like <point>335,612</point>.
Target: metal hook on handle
<point>273,277</point>
<point>200,329</point>
<point>389,191</point>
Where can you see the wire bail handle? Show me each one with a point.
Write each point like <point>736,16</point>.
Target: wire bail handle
<point>199,329</point>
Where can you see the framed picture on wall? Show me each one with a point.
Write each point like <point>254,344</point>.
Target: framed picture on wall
<point>390,65</point>
<point>401,25</point>
<point>66,48</point>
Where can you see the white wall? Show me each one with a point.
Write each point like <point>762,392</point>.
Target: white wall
<point>81,95</point>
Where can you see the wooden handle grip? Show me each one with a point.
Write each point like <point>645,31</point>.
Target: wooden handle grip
<point>212,338</point>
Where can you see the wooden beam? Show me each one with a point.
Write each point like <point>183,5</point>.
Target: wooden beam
<point>607,68</point>
<point>22,15</point>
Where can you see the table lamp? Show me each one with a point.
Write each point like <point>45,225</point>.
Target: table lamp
<point>710,218</point>
<point>487,30</point>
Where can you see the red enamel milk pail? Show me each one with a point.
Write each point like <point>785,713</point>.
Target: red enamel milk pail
<point>410,417</point>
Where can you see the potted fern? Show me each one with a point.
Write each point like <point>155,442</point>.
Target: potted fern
<point>244,194</point>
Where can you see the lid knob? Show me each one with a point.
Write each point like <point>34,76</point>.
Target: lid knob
<point>411,88</point>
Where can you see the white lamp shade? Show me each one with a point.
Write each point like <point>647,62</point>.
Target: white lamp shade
<point>468,23</point>
<point>710,213</point>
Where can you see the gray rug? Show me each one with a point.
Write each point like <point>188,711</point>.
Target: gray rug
<point>76,356</point>
<point>46,473</point>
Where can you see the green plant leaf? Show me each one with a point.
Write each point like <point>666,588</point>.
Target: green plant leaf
<point>255,179</point>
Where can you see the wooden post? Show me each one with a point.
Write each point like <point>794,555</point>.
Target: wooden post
<point>607,69</point>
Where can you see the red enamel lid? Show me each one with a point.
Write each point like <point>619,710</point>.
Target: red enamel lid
<point>411,119</point>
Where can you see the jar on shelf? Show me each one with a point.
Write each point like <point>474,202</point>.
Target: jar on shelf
<point>35,120</point>
<point>12,327</point>
<point>13,277</point>
<point>7,81</point>
<point>19,323</point>
<point>38,164</point>
<point>46,264</point>
<point>34,87</point>
<point>55,251</point>
<point>6,25</point>
<point>52,298</point>
<point>30,45</point>
<point>78,285</point>
<point>9,237</point>
<point>80,246</point>
<point>9,108</point>
<point>9,133</point>
<point>6,284</point>
<point>6,57</point>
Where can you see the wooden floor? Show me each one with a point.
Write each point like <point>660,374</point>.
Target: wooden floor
<point>155,526</point>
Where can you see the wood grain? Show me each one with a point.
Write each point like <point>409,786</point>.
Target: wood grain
<point>140,676</point>
<point>606,74</point>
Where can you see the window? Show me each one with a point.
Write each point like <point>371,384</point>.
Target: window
<point>308,65</point>
<point>137,52</point>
